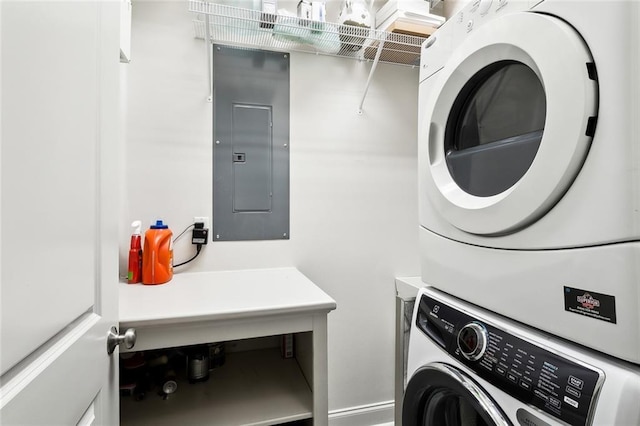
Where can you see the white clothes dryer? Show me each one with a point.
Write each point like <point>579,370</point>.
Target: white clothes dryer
<point>467,366</point>
<point>529,165</point>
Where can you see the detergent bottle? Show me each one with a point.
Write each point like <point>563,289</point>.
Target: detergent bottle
<point>157,255</point>
<point>134,274</point>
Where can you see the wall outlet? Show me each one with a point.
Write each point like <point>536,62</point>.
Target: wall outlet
<point>203,219</point>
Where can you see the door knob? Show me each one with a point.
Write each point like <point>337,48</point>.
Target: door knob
<point>114,339</point>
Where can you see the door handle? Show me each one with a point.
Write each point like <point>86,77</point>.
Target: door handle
<point>114,339</point>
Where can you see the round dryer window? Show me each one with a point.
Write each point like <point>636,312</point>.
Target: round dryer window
<point>509,123</point>
<point>494,128</point>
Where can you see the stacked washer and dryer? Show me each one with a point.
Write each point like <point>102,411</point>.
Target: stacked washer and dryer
<point>529,172</point>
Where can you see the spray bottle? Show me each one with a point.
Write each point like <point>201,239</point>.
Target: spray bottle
<point>135,255</point>
<point>157,256</point>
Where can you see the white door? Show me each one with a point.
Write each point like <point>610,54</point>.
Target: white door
<point>508,123</point>
<point>59,199</point>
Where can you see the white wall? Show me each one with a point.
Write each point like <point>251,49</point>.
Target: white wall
<point>353,183</point>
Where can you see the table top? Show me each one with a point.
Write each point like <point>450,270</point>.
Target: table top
<point>221,295</point>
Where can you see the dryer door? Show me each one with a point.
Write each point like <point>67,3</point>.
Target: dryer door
<point>507,123</point>
<point>441,395</point>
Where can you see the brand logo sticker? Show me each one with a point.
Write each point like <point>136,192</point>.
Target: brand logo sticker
<point>588,301</point>
<point>590,304</point>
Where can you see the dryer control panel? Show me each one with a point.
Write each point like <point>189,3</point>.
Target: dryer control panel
<point>562,387</point>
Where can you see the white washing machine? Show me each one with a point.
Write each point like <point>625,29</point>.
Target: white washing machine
<point>469,367</point>
<point>529,165</point>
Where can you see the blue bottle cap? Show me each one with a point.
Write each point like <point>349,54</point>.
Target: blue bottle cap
<point>159,225</point>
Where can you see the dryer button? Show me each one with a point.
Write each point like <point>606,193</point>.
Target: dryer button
<point>485,5</point>
<point>430,41</point>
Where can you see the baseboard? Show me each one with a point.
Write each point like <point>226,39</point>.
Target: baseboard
<point>363,415</point>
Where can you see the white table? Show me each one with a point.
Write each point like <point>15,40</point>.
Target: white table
<point>253,387</point>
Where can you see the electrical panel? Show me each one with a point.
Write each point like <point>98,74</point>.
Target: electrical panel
<point>251,144</point>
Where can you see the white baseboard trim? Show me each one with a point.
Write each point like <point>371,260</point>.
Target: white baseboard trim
<point>363,415</point>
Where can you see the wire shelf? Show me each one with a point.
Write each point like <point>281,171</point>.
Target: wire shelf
<point>253,28</point>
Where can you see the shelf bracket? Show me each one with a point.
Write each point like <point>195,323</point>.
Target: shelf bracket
<point>373,69</point>
<point>209,45</point>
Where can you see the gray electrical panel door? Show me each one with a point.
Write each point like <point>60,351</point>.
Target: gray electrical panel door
<point>251,144</point>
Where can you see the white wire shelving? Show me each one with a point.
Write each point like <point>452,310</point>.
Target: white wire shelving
<point>235,26</point>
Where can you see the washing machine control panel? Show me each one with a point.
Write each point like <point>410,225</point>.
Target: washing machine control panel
<point>562,387</point>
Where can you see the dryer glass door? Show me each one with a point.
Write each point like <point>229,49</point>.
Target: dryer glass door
<point>495,128</point>
<point>441,395</point>
<point>506,124</point>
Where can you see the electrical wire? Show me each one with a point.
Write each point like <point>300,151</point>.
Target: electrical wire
<point>182,233</point>
<point>198,248</point>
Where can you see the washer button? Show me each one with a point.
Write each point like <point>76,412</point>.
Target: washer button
<point>555,402</point>
<point>575,382</point>
<point>571,402</point>
<point>573,391</point>
<point>540,394</point>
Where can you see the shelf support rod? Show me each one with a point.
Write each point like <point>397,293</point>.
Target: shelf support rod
<point>208,45</point>
<point>373,69</point>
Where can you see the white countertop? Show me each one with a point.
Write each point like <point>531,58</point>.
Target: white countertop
<point>221,295</point>
<point>407,287</point>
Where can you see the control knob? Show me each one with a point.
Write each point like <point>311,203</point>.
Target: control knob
<point>472,341</point>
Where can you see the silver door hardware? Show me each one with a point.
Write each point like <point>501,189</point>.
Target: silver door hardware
<point>114,339</point>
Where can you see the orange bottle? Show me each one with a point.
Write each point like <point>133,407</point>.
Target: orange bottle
<point>157,255</point>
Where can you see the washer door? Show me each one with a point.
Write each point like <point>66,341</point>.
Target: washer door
<point>507,123</point>
<point>441,395</point>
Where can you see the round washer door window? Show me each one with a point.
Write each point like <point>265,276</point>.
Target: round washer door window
<point>439,394</point>
<point>509,123</point>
